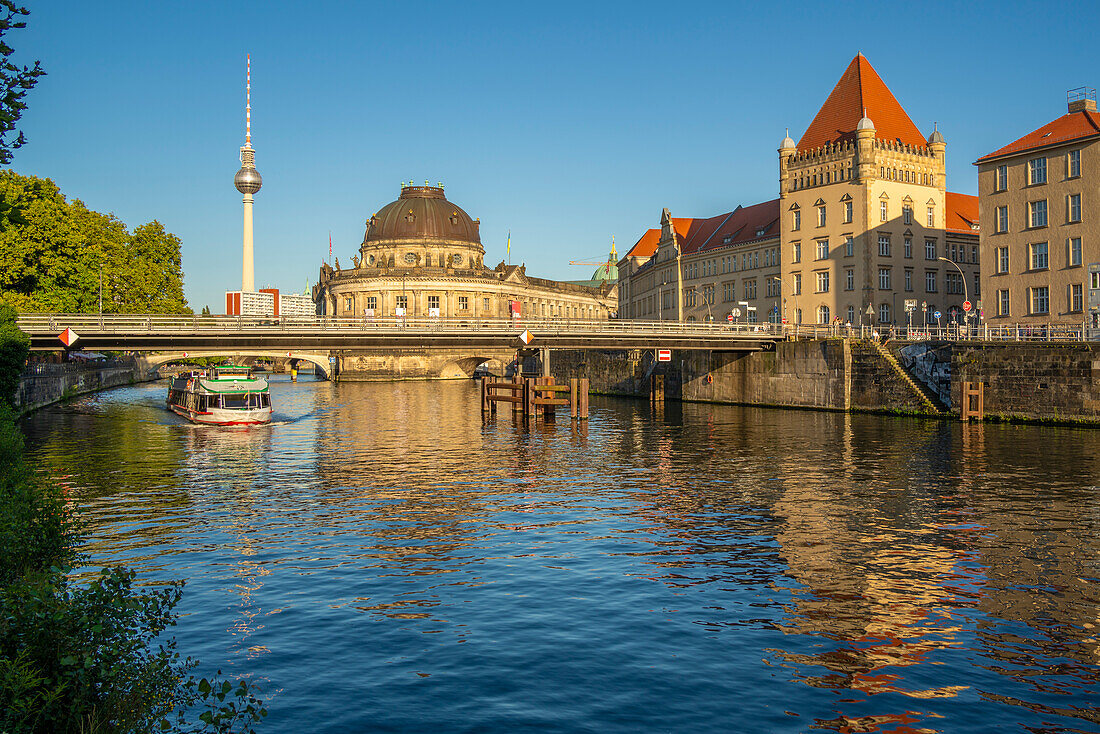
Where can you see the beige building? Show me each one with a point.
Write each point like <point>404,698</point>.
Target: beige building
<point>863,223</point>
<point>1040,233</point>
<point>422,257</point>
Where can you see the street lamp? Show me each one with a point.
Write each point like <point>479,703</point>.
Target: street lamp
<point>794,294</point>
<point>966,295</point>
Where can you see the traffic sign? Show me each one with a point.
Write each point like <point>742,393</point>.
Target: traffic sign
<point>736,312</point>
<point>966,306</point>
<point>937,315</point>
<point>910,304</point>
<point>729,317</point>
<point>664,355</point>
<point>526,337</point>
<point>68,337</point>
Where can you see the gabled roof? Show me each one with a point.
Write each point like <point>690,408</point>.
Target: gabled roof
<point>962,212</point>
<point>1069,127</point>
<point>860,88</point>
<point>646,245</point>
<point>743,225</point>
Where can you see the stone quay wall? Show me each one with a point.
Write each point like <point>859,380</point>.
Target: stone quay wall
<point>45,384</point>
<point>1027,382</point>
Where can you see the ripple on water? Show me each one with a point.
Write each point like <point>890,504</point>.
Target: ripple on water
<point>387,561</point>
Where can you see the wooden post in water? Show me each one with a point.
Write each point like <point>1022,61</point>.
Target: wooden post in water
<point>972,404</point>
<point>549,411</point>
<point>582,398</point>
<point>573,397</point>
<point>657,389</point>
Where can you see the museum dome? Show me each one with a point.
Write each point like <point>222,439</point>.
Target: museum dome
<point>422,214</point>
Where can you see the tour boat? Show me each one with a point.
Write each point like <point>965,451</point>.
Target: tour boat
<point>224,396</point>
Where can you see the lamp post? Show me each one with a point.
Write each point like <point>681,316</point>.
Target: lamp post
<point>966,292</point>
<point>794,295</point>
<point>101,293</point>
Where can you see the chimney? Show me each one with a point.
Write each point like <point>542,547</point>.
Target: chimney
<point>1081,99</point>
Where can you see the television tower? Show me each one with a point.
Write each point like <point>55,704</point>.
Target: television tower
<point>248,182</point>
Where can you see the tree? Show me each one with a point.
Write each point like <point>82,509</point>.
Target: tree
<point>52,252</point>
<point>15,82</point>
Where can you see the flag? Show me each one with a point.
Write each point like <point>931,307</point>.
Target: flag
<point>509,247</point>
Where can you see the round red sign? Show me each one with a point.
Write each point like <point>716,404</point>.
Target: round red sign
<point>966,305</point>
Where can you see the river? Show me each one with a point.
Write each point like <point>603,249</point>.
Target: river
<point>384,560</point>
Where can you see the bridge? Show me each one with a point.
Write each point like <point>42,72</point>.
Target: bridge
<point>455,343</point>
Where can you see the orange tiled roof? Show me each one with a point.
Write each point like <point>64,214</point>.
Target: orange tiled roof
<point>1072,126</point>
<point>646,245</point>
<point>962,212</point>
<point>744,224</point>
<point>860,88</point>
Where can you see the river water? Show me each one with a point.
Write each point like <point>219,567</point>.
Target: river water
<point>383,560</point>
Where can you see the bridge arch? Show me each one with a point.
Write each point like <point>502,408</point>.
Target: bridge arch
<point>321,361</point>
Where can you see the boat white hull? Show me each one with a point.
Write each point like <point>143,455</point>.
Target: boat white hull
<point>224,416</point>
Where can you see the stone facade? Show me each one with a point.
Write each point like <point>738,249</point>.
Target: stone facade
<point>1038,262</point>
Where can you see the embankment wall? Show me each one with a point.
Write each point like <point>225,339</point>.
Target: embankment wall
<point>53,385</point>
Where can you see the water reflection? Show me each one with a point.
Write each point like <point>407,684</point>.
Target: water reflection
<point>685,567</point>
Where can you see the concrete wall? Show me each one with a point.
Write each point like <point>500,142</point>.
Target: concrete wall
<point>54,385</point>
<point>412,364</point>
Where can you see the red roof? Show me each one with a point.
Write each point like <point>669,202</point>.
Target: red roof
<point>962,212</point>
<point>860,89</point>
<point>647,245</point>
<point>1072,126</point>
<point>744,224</point>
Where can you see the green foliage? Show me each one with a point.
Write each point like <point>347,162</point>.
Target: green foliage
<point>90,657</point>
<point>14,348</point>
<point>15,82</point>
<point>52,252</point>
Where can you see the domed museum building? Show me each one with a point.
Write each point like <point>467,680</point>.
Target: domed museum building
<point>422,257</point>
<point>423,254</point>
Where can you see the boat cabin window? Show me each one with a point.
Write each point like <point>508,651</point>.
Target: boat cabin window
<point>235,401</point>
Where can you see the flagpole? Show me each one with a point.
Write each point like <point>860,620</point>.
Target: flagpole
<point>509,247</point>
<point>330,248</point>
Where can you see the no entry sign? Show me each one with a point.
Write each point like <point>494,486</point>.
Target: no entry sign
<point>664,355</point>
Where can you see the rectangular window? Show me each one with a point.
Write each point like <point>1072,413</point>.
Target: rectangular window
<point>908,279</point>
<point>909,247</point>
<point>847,212</point>
<point>1040,299</point>
<point>822,282</point>
<point>974,254</point>
<point>347,303</point>
<point>821,216</point>
<point>463,303</point>
<point>1074,251</point>
<point>929,249</point>
<point>485,304</point>
<point>1037,213</point>
<point>1002,303</point>
<point>884,245</point>
<point>931,216</point>
<point>884,279</point>
<point>1073,208</point>
<point>849,280</point>
<point>402,301</point>
<point>930,281</point>
<point>1001,180</point>
<point>907,214</point>
<point>797,223</point>
<point>883,210</point>
<point>822,249</point>
<point>849,246</point>
<point>797,284</point>
<point>1076,298</point>
<point>1002,219</point>
<point>1037,171</point>
<point>1039,256</point>
<point>796,252</point>
<point>1002,259</point>
<point>750,289</point>
<point>1073,164</point>
<point>372,302</point>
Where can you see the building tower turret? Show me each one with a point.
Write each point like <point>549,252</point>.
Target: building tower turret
<point>248,182</point>
<point>865,148</point>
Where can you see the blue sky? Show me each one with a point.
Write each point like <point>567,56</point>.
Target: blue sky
<point>566,123</point>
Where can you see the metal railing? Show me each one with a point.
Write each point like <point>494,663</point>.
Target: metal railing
<point>951,332</point>
<point>52,324</point>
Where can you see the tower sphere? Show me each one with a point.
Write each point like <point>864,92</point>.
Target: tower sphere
<point>248,180</point>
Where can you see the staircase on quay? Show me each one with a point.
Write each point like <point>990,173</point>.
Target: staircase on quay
<point>925,395</point>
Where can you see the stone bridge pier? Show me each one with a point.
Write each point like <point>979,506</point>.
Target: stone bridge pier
<point>418,364</point>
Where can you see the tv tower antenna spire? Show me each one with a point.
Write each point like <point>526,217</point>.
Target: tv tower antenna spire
<point>248,182</point>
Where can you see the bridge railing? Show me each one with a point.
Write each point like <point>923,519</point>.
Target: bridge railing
<point>37,324</point>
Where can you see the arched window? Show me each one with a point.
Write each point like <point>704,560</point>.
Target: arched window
<point>884,313</point>
<point>822,314</point>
